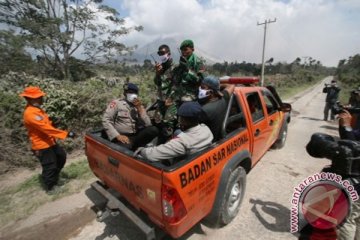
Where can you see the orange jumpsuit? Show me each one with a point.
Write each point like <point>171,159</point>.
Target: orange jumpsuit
<point>40,130</point>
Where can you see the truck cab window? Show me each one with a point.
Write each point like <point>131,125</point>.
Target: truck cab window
<point>255,107</point>
<point>235,119</point>
<point>271,104</point>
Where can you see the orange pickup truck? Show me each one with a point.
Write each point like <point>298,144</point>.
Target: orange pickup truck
<point>208,185</point>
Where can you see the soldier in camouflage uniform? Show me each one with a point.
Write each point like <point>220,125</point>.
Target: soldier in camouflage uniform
<point>178,84</point>
<point>165,115</point>
<point>188,74</point>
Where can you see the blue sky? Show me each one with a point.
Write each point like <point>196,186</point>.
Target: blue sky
<point>326,30</point>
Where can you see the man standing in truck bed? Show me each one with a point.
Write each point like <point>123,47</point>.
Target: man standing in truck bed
<point>188,74</point>
<point>166,110</point>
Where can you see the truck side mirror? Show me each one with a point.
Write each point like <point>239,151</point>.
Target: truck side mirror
<point>285,107</point>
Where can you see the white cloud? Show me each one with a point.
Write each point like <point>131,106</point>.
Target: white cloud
<point>325,30</point>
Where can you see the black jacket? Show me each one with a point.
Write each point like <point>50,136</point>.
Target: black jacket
<point>332,94</point>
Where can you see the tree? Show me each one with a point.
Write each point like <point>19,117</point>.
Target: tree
<point>270,61</point>
<point>13,56</point>
<point>60,28</point>
<point>147,64</point>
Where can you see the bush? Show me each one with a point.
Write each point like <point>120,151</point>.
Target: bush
<point>76,106</point>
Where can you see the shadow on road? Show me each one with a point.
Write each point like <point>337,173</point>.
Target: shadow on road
<point>121,227</point>
<point>118,225</point>
<point>336,128</point>
<point>312,119</point>
<point>280,214</point>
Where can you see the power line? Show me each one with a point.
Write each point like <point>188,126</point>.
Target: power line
<point>263,52</point>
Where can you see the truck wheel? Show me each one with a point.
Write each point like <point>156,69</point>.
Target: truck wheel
<point>280,142</point>
<point>227,208</point>
<point>234,195</point>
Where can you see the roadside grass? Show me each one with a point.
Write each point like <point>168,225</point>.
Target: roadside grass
<point>22,200</point>
<point>288,92</point>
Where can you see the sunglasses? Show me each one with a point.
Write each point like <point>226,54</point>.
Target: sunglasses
<point>160,53</point>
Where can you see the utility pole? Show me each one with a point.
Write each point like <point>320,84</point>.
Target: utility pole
<point>263,52</point>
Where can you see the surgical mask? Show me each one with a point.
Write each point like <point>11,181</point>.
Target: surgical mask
<point>130,97</point>
<point>203,93</point>
<point>164,58</point>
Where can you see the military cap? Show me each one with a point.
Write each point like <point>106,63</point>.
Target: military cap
<point>190,109</point>
<point>187,43</point>
<point>131,86</point>
<point>213,83</point>
<point>32,92</point>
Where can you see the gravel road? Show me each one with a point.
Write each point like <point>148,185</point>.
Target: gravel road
<point>264,213</point>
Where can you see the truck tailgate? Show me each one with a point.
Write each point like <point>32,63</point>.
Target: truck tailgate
<point>138,182</point>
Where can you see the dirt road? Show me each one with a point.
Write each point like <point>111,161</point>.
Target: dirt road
<point>265,211</point>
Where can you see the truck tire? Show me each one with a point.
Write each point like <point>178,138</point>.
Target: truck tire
<point>280,142</point>
<point>229,205</point>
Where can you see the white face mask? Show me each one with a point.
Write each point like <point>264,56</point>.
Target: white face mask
<point>130,97</point>
<point>164,58</point>
<point>203,93</point>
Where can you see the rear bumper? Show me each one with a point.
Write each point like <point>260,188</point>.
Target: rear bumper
<point>115,204</point>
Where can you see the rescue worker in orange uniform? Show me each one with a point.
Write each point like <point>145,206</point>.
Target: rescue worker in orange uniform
<point>43,137</point>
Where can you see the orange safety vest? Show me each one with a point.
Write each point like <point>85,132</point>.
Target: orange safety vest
<point>40,130</point>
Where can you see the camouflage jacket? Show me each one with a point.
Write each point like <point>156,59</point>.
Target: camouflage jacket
<point>186,78</point>
<point>164,83</point>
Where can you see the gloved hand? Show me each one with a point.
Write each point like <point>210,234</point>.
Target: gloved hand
<point>71,134</point>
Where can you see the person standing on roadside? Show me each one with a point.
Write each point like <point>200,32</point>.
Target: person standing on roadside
<point>332,95</point>
<point>43,137</point>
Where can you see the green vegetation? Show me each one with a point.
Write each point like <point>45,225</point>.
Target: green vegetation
<point>79,105</point>
<point>21,200</point>
<point>348,74</point>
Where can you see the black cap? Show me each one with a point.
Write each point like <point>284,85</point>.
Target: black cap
<point>190,109</point>
<point>131,86</point>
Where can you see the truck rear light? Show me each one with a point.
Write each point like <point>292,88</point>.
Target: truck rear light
<point>173,207</point>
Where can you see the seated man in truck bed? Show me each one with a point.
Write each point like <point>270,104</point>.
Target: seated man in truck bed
<point>126,121</point>
<point>214,103</point>
<point>193,138</point>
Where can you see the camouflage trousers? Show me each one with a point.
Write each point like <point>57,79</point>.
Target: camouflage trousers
<point>351,228</point>
<point>166,121</point>
<point>170,119</point>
